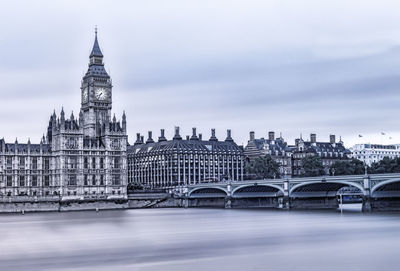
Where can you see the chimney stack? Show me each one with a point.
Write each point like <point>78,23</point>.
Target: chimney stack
<point>200,136</point>
<point>150,139</point>
<point>252,136</point>
<point>162,137</point>
<point>137,142</point>
<point>213,137</point>
<point>229,136</point>
<point>332,139</point>
<point>271,135</point>
<point>177,136</point>
<point>194,136</point>
<point>313,138</point>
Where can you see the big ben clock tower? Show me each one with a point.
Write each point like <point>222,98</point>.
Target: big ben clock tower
<point>96,94</point>
<point>89,152</point>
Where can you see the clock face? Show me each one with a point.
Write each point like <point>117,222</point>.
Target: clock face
<point>101,94</point>
<point>85,95</point>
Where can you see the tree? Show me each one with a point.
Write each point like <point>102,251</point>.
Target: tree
<point>349,167</point>
<point>135,186</point>
<point>312,166</point>
<point>263,167</point>
<point>386,165</point>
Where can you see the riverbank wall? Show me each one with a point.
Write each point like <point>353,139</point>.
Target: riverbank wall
<point>55,204</point>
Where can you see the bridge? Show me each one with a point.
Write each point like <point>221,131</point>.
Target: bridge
<point>378,192</point>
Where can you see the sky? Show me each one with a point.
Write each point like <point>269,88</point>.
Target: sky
<point>293,67</point>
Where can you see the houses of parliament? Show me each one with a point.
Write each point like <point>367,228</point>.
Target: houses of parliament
<point>81,157</point>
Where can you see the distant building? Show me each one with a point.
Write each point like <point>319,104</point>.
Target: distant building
<point>371,153</point>
<point>277,148</point>
<point>329,152</point>
<point>169,163</point>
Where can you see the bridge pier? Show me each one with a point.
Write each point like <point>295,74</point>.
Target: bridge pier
<point>285,202</point>
<point>366,204</point>
<point>286,195</point>
<point>228,203</point>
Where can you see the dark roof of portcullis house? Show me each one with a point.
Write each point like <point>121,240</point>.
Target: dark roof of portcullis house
<point>195,144</point>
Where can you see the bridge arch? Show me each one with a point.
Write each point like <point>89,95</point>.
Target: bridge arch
<point>257,190</point>
<point>208,192</point>
<point>330,186</point>
<point>392,188</point>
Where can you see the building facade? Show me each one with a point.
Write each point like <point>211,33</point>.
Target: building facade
<point>168,163</point>
<point>329,152</point>
<point>277,148</point>
<point>79,158</point>
<point>372,153</point>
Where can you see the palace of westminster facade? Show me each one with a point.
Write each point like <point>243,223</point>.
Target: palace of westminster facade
<point>81,157</point>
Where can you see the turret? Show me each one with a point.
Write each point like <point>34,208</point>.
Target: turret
<point>3,145</point>
<point>62,118</point>
<point>80,118</point>
<point>16,145</point>
<point>124,122</point>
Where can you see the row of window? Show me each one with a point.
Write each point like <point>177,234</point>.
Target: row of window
<point>22,162</point>
<point>92,180</point>
<point>22,181</point>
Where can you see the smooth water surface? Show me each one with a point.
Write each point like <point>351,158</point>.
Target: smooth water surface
<point>200,239</point>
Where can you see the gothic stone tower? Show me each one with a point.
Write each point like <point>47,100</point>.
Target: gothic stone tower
<point>90,151</point>
<point>96,95</point>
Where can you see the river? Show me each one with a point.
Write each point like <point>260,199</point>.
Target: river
<point>200,239</point>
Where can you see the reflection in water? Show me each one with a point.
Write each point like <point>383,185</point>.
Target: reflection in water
<point>200,239</point>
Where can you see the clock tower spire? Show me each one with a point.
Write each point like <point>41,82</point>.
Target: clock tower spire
<point>96,92</point>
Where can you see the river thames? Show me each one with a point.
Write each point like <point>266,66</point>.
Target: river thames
<point>200,239</point>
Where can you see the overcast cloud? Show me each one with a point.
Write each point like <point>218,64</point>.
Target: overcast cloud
<point>288,66</point>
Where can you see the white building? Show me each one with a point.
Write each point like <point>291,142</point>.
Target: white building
<point>370,153</point>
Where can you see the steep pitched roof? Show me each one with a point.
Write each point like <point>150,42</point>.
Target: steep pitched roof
<point>96,48</point>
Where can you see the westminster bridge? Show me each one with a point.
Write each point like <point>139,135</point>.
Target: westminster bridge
<point>377,191</point>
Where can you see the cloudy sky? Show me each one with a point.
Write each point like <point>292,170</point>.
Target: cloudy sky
<point>288,66</point>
